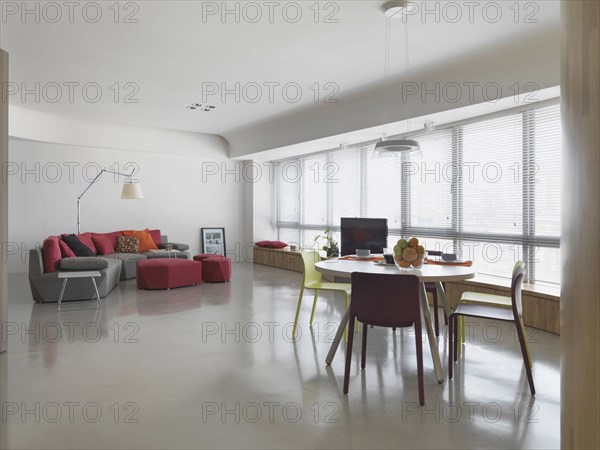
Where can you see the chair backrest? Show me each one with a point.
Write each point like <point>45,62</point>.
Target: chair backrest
<point>311,276</point>
<point>515,288</point>
<point>385,300</point>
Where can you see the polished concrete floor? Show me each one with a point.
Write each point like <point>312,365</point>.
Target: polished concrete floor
<point>214,367</point>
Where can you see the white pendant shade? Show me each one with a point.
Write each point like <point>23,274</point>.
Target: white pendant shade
<point>132,191</point>
<point>397,148</point>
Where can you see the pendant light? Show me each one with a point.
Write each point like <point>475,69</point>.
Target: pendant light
<point>394,147</point>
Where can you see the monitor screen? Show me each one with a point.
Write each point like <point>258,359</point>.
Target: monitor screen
<point>363,233</point>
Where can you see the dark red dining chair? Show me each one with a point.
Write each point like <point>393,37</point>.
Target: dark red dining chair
<point>384,301</point>
<point>514,315</point>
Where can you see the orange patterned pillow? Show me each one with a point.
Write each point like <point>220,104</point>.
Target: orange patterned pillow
<point>145,238</point>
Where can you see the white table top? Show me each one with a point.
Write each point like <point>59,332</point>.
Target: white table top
<point>427,273</point>
<point>79,274</point>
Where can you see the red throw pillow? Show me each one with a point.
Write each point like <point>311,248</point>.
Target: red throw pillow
<point>51,254</point>
<point>277,244</point>
<point>112,237</point>
<point>86,239</point>
<point>102,244</point>
<point>65,250</point>
<point>155,236</point>
<point>271,244</point>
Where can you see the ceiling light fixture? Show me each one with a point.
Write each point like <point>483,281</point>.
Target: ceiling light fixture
<point>394,147</point>
<point>397,8</point>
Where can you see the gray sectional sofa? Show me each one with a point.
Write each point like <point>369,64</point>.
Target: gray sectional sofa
<point>45,286</point>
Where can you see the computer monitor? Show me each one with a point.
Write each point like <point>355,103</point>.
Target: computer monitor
<point>363,233</point>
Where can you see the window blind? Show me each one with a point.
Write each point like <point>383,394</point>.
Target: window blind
<point>487,189</point>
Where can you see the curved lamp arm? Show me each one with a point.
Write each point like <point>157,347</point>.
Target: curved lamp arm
<point>88,188</point>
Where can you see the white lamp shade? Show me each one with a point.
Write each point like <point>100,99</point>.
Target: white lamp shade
<point>404,148</point>
<point>132,191</point>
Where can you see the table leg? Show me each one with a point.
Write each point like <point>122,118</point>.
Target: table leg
<point>62,292</point>
<point>435,354</point>
<point>442,294</point>
<point>338,336</point>
<point>96,288</point>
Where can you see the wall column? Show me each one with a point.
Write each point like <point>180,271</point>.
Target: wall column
<point>580,242</point>
<point>3,194</point>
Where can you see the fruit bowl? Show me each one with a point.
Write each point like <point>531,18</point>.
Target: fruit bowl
<point>409,255</point>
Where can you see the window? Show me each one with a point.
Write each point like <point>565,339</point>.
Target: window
<point>487,189</point>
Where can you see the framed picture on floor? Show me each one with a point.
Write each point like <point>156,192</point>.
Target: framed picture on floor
<point>213,241</point>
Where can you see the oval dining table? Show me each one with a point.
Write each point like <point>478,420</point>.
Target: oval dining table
<point>438,274</point>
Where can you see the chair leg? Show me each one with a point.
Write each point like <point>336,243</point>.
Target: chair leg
<point>297,312</point>
<point>451,325</point>
<point>363,357</point>
<point>435,313</point>
<point>312,312</point>
<point>526,346</point>
<point>419,342</point>
<point>457,344</point>
<point>525,351</point>
<point>349,353</point>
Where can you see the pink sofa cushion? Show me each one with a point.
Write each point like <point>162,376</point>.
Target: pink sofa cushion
<point>86,239</point>
<point>155,236</point>
<point>102,244</point>
<point>65,250</point>
<point>51,254</point>
<point>112,237</point>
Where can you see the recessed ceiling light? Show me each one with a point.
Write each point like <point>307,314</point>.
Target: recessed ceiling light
<point>206,108</point>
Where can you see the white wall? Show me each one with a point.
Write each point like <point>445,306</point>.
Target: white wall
<point>177,200</point>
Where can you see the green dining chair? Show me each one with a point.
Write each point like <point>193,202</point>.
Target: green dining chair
<point>497,301</point>
<point>312,280</point>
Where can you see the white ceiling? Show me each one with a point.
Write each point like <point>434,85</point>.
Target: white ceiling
<point>173,50</point>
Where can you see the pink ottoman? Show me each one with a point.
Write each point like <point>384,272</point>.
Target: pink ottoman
<point>215,268</point>
<point>167,273</point>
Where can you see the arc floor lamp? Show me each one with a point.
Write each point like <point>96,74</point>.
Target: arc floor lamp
<point>131,191</point>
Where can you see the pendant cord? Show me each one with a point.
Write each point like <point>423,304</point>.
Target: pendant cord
<point>407,56</point>
<point>386,101</point>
